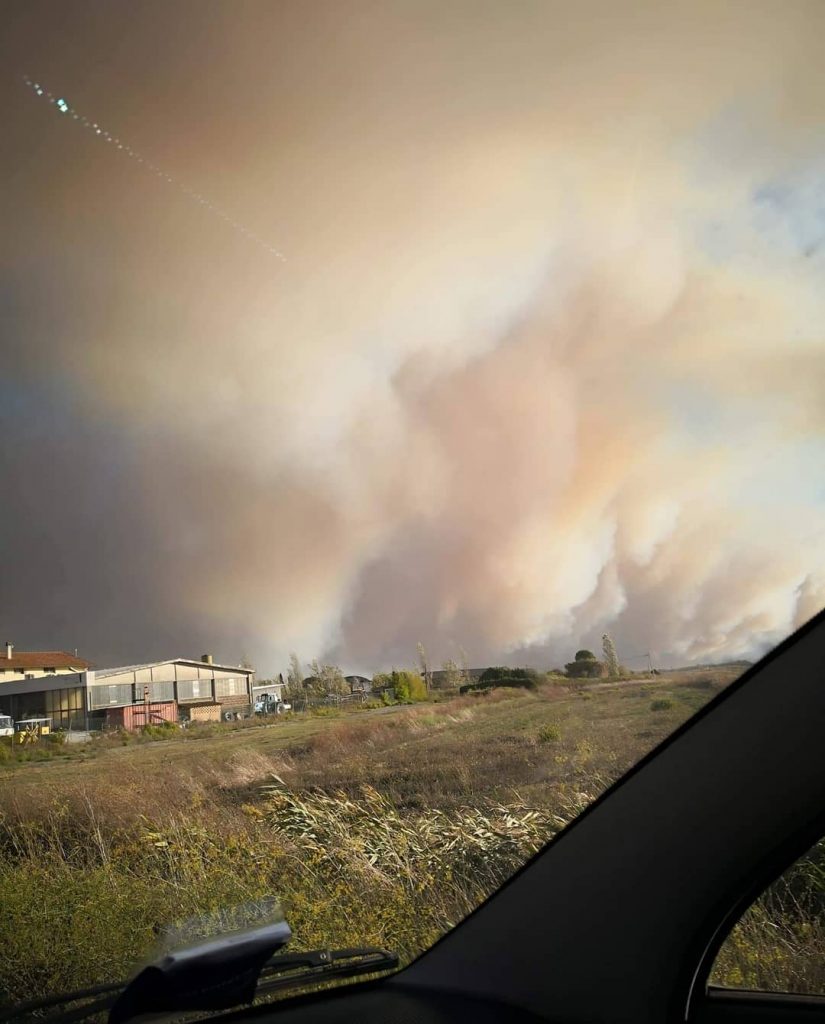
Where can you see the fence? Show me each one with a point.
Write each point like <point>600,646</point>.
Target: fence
<point>330,700</point>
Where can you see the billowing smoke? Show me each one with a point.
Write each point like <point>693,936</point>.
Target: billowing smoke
<point>546,358</point>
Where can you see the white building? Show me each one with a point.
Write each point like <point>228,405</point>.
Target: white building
<point>34,664</point>
<point>187,682</point>
<point>80,699</point>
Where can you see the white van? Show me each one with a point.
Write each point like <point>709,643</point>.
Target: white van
<point>6,726</point>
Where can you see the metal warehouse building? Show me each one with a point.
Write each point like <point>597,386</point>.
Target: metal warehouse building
<point>91,699</point>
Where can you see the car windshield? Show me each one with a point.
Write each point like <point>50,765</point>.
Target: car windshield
<point>410,413</point>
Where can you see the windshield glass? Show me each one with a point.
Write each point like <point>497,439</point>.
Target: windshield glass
<point>410,414</point>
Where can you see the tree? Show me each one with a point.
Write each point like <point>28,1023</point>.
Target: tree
<point>585,666</point>
<point>452,677</point>
<point>327,679</point>
<point>610,659</point>
<point>247,664</point>
<point>425,666</point>
<point>334,680</point>
<point>408,686</point>
<point>295,677</point>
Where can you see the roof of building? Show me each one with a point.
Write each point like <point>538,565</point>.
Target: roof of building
<point>29,660</point>
<point>171,661</point>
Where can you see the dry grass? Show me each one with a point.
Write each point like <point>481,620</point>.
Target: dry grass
<point>383,827</point>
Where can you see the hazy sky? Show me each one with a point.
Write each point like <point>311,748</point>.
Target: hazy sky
<point>546,357</point>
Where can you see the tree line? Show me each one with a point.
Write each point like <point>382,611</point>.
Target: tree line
<point>318,680</point>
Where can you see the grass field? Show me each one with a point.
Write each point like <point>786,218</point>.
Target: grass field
<point>381,826</point>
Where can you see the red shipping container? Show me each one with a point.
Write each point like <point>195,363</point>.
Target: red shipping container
<point>134,716</point>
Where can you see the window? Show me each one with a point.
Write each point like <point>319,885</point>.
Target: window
<point>779,943</point>
<point>227,687</point>
<point>162,692</point>
<point>194,689</point>
<point>112,694</point>
<point>65,707</point>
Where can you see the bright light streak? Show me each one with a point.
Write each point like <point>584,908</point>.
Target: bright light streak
<point>64,108</point>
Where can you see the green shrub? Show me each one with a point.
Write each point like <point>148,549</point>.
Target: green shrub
<point>584,668</point>
<point>662,704</point>
<point>502,672</point>
<point>33,752</point>
<point>160,731</point>
<point>407,686</point>
<point>549,733</point>
<point>524,678</point>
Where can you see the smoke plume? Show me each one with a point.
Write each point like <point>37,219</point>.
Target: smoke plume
<point>546,357</point>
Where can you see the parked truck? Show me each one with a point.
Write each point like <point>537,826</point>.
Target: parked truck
<point>270,704</point>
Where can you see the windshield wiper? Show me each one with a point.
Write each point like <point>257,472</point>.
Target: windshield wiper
<point>205,985</point>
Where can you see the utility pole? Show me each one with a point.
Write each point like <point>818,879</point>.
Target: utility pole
<point>647,656</point>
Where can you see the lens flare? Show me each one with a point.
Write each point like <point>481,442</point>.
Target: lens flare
<point>64,107</point>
